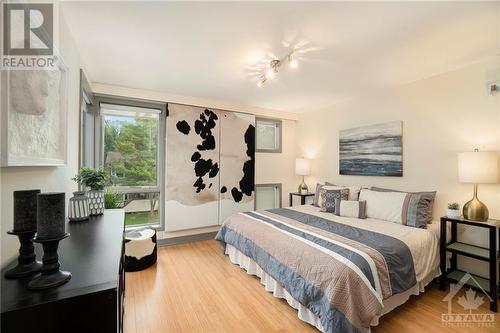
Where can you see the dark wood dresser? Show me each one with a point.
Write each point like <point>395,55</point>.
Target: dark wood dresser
<point>92,301</point>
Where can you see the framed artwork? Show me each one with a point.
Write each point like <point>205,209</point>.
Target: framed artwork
<point>34,117</point>
<point>375,150</point>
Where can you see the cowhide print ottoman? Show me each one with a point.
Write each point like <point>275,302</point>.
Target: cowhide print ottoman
<point>140,249</point>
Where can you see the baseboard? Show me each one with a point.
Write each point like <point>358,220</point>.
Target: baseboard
<point>186,239</point>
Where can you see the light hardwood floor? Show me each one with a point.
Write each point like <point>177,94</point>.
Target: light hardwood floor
<point>195,288</point>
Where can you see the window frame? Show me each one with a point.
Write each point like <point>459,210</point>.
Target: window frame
<point>86,100</point>
<point>278,186</point>
<point>279,139</point>
<point>99,143</point>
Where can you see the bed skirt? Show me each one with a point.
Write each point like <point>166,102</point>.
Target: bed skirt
<point>304,313</point>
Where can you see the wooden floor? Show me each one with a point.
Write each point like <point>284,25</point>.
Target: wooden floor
<point>195,288</point>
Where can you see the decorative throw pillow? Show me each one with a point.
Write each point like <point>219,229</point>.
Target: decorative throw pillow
<point>328,196</point>
<point>353,190</point>
<point>350,208</point>
<point>418,209</point>
<point>328,187</point>
<point>386,206</point>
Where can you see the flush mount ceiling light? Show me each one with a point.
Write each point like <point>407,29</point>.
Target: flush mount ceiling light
<point>274,65</point>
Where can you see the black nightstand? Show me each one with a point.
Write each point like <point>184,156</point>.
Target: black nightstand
<point>302,197</point>
<point>490,255</point>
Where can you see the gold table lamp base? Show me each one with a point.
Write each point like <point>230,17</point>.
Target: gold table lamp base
<point>475,210</point>
<point>303,187</point>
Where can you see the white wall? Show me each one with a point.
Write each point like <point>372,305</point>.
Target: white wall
<point>280,167</point>
<point>160,96</point>
<point>46,178</point>
<point>442,116</point>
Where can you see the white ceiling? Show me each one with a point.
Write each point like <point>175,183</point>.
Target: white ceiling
<point>209,50</point>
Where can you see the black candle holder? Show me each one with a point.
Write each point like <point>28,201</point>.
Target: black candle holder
<point>26,262</point>
<point>51,275</point>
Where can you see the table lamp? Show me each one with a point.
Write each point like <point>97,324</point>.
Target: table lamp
<point>302,168</point>
<point>477,168</point>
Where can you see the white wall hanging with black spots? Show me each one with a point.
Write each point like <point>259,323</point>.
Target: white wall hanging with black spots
<point>210,166</point>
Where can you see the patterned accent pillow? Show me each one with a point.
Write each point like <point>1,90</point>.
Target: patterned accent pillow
<point>328,196</point>
<point>328,187</point>
<point>350,208</point>
<point>417,209</point>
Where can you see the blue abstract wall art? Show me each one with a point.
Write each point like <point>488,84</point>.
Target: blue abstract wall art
<point>375,150</point>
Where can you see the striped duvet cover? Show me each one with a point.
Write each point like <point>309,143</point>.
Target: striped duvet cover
<point>340,272</point>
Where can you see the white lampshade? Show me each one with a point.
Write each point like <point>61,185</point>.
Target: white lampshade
<point>478,167</point>
<point>302,166</point>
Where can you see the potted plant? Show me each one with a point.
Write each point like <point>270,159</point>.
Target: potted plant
<point>95,180</point>
<point>453,210</point>
<point>112,199</point>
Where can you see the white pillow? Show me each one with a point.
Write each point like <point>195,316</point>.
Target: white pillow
<point>386,206</point>
<point>350,208</point>
<point>354,192</point>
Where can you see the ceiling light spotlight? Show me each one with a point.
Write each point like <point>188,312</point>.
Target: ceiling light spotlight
<point>293,62</point>
<point>262,80</point>
<point>274,66</point>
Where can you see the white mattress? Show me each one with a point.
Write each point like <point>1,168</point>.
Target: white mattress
<point>423,245</point>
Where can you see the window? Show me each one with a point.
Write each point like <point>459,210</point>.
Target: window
<point>267,196</point>
<point>268,135</point>
<point>128,143</point>
<point>130,152</point>
<point>131,158</point>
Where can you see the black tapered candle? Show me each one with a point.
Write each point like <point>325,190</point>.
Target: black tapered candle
<point>25,203</point>
<point>51,215</point>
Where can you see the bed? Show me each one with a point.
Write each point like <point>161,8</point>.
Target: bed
<point>341,274</point>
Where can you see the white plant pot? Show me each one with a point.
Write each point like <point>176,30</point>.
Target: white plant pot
<point>453,213</point>
<point>78,209</point>
<point>96,202</point>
